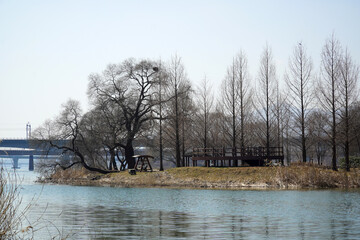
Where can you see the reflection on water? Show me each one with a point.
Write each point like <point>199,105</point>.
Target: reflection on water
<point>133,213</point>
<point>113,213</point>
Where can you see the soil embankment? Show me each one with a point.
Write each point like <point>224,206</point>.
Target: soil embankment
<point>298,176</point>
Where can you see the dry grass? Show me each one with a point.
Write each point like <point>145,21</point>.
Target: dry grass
<point>11,217</point>
<point>245,175</point>
<point>305,175</point>
<point>295,176</point>
<point>14,223</point>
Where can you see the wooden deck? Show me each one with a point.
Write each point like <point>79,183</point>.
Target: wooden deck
<point>233,157</point>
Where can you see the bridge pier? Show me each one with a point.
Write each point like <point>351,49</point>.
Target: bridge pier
<point>31,163</point>
<point>15,162</point>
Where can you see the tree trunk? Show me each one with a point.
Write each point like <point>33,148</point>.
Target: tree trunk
<point>303,139</point>
<point>161,145</point>
<point>183,145</point>
<point>347,130</point>
<point>235,162</point>
<point>129,153</point>
<point>333,137</point>
<point>112,164</point>
<point>267,121</point>
<point>177,131</point>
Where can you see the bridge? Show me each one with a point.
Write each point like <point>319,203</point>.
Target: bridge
<point>20,148</point>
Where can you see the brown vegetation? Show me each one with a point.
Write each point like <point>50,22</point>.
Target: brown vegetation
<point>11,216</point>
<point>297,176</point>
<point>315,176</point>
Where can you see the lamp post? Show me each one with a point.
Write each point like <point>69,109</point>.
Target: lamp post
<point>156,69</point>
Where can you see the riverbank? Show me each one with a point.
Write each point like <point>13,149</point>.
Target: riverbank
<point>297,176</point>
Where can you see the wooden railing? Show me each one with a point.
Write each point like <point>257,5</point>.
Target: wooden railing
<point>238,152</point>
<point>254,156</point>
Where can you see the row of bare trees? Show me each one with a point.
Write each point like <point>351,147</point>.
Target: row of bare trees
<point>153,104</point>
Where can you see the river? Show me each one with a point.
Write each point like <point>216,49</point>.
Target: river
<point>138,213</point>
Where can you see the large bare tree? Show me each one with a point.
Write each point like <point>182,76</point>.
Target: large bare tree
<point>299,82</point>
<point>130,85</point>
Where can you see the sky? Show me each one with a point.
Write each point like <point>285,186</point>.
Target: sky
<point>49,48</point>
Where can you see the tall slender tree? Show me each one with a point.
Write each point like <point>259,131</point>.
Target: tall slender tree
<point>348,87</point>
<point>187,113</point>
<point>298,80</point>
<point>235,98</point>
<point>281,111</point>
<point>205,105</point>
<point>329,88</point>
<point>162,80</point>
<point>176,78</point>
<point>243,81</point>
<point>230,101</point>
<point>267,84</point>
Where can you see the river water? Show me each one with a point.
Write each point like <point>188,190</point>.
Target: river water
<point>138,213</point>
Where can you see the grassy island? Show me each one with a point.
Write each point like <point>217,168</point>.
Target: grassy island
<point>296,176</point>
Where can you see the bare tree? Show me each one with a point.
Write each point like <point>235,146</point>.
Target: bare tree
<point>281,110</point>
<point>354,111</point>
<point>230,102</point>
<point>348,87</point>
<point>220,129</point>
<point>298,80</point>
<point>244,92</point>
<point>130,85</point>
<point>317,135</point>
<point>105,126</point>
<point>187,125</point>
<point>205,106</point>
<point>64,133</point>
<point>176,79</point>
<point>286,120</point>
<point>162,79</point>
<point>267,84</point>
<point>235,99</point>
<point>328,88</point>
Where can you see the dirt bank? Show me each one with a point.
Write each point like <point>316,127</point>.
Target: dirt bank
<point>298,176</point>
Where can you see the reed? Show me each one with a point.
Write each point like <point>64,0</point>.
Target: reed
<point>12,217</point>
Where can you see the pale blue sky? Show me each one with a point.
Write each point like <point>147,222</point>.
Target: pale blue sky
<point>49,48</point>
